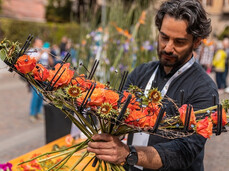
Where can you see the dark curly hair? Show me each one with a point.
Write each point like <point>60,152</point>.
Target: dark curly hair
<point>192,11</point>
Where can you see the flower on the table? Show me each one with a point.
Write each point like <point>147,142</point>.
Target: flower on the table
<point>40,72</point>
<point>214,117</point>
<point>73,91</point>
<point>69,140</point>
<point>25,64</point>
<point>6,167</point>
<point>182,111</point>
<point>204,127</point>
<point>32,165</point>
<point>63,77</point>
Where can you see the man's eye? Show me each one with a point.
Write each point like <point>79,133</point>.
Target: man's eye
<point>164,38</point>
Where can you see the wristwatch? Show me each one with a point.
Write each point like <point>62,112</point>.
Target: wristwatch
<point>132,157</point>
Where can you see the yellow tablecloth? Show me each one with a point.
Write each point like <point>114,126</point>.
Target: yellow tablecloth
<point>48,148</point>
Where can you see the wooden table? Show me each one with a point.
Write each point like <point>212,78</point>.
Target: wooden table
<point>48,148</point>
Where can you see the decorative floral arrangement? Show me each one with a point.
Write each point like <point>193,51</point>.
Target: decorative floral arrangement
<point>118,112</point>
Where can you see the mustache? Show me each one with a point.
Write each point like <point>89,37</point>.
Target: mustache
<point>170,54</point>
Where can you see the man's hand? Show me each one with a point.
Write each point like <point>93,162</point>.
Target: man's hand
<point>108,148</point>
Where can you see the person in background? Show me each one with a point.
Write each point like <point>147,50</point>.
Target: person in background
<point>70,48</point>
<point>46,58</point>
<point>55,53</point>
<point>63,43</point>
<point>226,48</point>
<point>182,24</point>
<point>219,63</point>
<point>36,100</point>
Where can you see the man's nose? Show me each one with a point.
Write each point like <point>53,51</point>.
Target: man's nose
<point>169,47</point>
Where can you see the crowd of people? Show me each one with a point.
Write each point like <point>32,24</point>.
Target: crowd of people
<point>48,56</point>
<point>214,57</point>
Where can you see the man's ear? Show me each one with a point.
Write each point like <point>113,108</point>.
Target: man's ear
<point>197,42</point>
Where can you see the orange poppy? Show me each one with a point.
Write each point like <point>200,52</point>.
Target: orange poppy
<point>136,118</point>
<point>111,97</point>
<point>96,99</point>
<point>224,118</point>
<point>204,127</point>
<point>65,78</point>
<point>25,64</point>
<point>133,105</point>
<point>182,111</point>
<point>40,73</point>
<point>81,82</point>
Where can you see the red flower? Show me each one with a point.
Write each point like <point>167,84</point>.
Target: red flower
<point>182,111</point>
<point>224,118</point>
<point>204,127</point>
<point>25,64</point>
<point>65,77</point>
<point>40,73</point>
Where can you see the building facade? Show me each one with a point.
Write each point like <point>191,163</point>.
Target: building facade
<point>28,10</point>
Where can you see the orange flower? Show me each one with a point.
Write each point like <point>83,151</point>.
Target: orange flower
<point>25,64</point>
<point>204,127</point>
<point>40,73</point>
<point>133,105</point>
<point>111,97</point>
<point>97,97</point>
<point>69,140</point>
<point>182,111</point>
<point>149,121</point>
<point>224,117</point>
<point>81,82</point>
<point>65,77</point>
<point>142,18</point>
<point>153,108</point>
<point>136,118</point>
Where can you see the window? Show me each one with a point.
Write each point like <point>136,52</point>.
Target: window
<point>207,2</point>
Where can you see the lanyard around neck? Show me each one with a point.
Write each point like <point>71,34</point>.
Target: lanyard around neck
<point>166,87</point>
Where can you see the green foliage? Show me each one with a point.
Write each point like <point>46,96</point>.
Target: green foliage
<point>58,10</point>
<point>225,33</point>
<point>15,30</point>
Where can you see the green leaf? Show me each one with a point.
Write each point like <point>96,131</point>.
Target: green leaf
<point>2,54</point>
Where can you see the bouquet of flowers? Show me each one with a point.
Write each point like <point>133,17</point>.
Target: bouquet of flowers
<point>118,112</point>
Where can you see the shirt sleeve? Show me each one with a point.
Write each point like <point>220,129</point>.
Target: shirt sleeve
<point>180,153</point>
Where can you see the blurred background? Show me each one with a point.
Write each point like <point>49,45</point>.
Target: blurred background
<point>121,33</point>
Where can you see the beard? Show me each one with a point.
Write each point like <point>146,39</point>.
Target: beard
<point>172,59</point>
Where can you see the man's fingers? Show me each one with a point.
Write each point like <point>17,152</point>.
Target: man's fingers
<point>100,145</point>
<point>101,151</point>
<point>102,137</point>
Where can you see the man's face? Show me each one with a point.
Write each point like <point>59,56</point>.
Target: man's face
<point>175,45</point>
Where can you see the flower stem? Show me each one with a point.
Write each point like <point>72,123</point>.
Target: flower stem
<point>205,110</point>
<point>80,159</point>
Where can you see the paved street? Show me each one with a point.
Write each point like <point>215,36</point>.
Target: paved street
<point>18,135</point>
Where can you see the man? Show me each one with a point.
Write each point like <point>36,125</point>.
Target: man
<point>182,24</point>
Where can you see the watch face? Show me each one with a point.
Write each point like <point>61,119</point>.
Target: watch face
<point>132,159</point>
